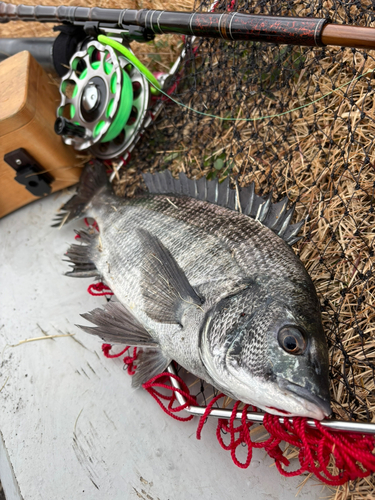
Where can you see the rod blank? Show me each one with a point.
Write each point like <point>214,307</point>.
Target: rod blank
<point>226,25</point>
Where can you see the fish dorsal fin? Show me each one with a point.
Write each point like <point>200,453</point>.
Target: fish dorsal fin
<point>275,216</point>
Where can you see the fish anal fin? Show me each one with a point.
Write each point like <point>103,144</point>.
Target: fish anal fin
<point>80,256</point>
<point>150,362</point>
<point>116,324</point>
<point>165,288</point>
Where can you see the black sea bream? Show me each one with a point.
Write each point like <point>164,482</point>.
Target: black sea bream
<point>212,288</point>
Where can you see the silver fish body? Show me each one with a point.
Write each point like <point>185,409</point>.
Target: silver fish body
<point>213,289</point>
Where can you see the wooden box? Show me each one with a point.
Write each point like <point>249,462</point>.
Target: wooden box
<point>28,103</point>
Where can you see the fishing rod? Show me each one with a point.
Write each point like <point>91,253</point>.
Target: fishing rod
<point>304,31</point>
<point>107,94</point>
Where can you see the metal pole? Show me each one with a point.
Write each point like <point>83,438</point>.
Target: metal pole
<point>335,425</point>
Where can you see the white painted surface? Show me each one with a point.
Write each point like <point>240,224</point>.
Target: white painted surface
<point>72,426</point>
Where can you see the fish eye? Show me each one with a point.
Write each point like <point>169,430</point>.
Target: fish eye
<point>292,340</point>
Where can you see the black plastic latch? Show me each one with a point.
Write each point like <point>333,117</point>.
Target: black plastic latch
<point>29,172</point>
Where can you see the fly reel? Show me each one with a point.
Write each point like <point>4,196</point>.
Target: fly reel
<point>104,101</point>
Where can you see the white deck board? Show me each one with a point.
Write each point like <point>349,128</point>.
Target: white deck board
<point>72,427</point>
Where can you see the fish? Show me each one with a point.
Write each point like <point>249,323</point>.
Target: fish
<point>205,275</point>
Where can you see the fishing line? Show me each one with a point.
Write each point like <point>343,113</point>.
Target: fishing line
<point>105,40</point>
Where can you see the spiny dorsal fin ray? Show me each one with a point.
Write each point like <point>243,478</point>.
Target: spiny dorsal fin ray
<point>115,323</point>
<point>165,288</point>
<point>273,215</point>
<point>264,208</point>
<point>290,235</point>
<point>286,221</point>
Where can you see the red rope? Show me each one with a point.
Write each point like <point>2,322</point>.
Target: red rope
<point>206,414</point>
<point>351,453</point>
<point>161,382</point>
<point>99,289</point>
<point>94,224</point>
<point>128,360</point>
<point>107,347</point>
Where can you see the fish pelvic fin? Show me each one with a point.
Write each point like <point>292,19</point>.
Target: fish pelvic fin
<point>93,179</point>
<point>166,290</point>
<point>275,216</point>
<point>116,324</point>
<point>80,256</point>
<point>150,362</point>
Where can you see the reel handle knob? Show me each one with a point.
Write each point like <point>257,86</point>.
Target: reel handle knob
<point>65,127</point>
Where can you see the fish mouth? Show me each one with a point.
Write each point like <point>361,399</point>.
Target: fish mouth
<point>322,404</point>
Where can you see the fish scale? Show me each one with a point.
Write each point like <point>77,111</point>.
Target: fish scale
<point>214,289</point>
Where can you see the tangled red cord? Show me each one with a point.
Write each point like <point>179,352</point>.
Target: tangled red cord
<point>128,360</point>
<point>99,289</point>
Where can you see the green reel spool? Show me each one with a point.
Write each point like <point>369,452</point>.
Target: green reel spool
<point>125,103</point>
<point>106,93</point>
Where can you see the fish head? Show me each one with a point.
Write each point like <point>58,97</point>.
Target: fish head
<point>269,351</point>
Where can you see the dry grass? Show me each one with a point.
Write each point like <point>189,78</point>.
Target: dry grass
<point>321,156</point>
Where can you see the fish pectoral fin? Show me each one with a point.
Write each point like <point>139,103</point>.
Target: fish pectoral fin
<point>166,290</point>
<point>150,362</point>
<point>115,323</point>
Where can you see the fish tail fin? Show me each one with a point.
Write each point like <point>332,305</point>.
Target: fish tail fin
<point>93,179</point>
